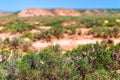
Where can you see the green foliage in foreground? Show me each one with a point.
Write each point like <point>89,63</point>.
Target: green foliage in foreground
<point>87,62</point>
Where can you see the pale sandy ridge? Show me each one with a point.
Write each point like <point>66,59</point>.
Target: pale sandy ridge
<point>68,44</point>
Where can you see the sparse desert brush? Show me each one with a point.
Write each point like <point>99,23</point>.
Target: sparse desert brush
<point>44,34</point>
<point>25,44</point>
<point>4,55</point>
<point>105,32</point>
<point>14,42</point>
<point>115,53</point>
<point>58,31</point>
<point>111,23</point>
<point>6,42</point>
<point>17,27</point>
<point>91,23</point>
<point>28,35</point>
<point>56,49</point>
<point>71,30</point>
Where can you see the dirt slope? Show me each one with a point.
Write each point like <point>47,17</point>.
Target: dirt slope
<point>35,13</point>
<point>45,12</point>
<point>66,12</point>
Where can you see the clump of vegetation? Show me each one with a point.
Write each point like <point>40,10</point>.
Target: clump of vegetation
<point>111,23</point>
<point>29,35</point>
<point>18,27</point>
<point>44,34</point>
<point>105,32</point>
<point>92,61</point>
<point>25,45</point>
<point>71,30</point>
<point>58,31</point>
<point>4,55</point>
<point>92,23</point>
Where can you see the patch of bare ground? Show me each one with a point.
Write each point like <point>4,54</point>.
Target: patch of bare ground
<point>84,30</point>
<point>35,13</point>
<point>44,27</point>
<point>118,71</point>
<point>70,23</point>
<point>9,35</point>
<point>1,27</point>
<point>69,44</point>
<point>66,12</point>
<point>34,31</point>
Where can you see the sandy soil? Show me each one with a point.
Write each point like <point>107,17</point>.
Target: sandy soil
<point>67,43</point>
<point>70,42</point>
<point>9,35</point>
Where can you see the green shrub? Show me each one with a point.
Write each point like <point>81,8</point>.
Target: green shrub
<point>58,31</point>
<point>111,24</point>
<point>15,42</point>
<point>71,29</point>
<point>28,35</point>
<point>44,34</point>
<point>56,49</point>
<point>91,61</point>
<point>105,32</point>
<point>115,53</point>
<point>92,23</point>
<point>25,45</point>
<point>4,55</point>
<point>18,27</point>
<point>53,23</point>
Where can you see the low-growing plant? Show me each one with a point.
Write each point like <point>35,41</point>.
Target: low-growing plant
<point>105,32</point>
<point>24,45</point>
<point>18,27</point>
<point>58,31</point>
<point>56,49</point>
<point>14,42</point>
<point>28,35</point>
<point>71,30</point>
<point>92,23</point>
<point>4,55</point>
<point>44,34</point>
<point>92,61</point>
<point>111,24</point>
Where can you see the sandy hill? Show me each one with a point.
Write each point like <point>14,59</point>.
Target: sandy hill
<point>66,12</point>
<point>46,12</point>
<point>35,13</point>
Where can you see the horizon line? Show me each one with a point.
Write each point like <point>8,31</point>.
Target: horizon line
<point>63,8</point>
